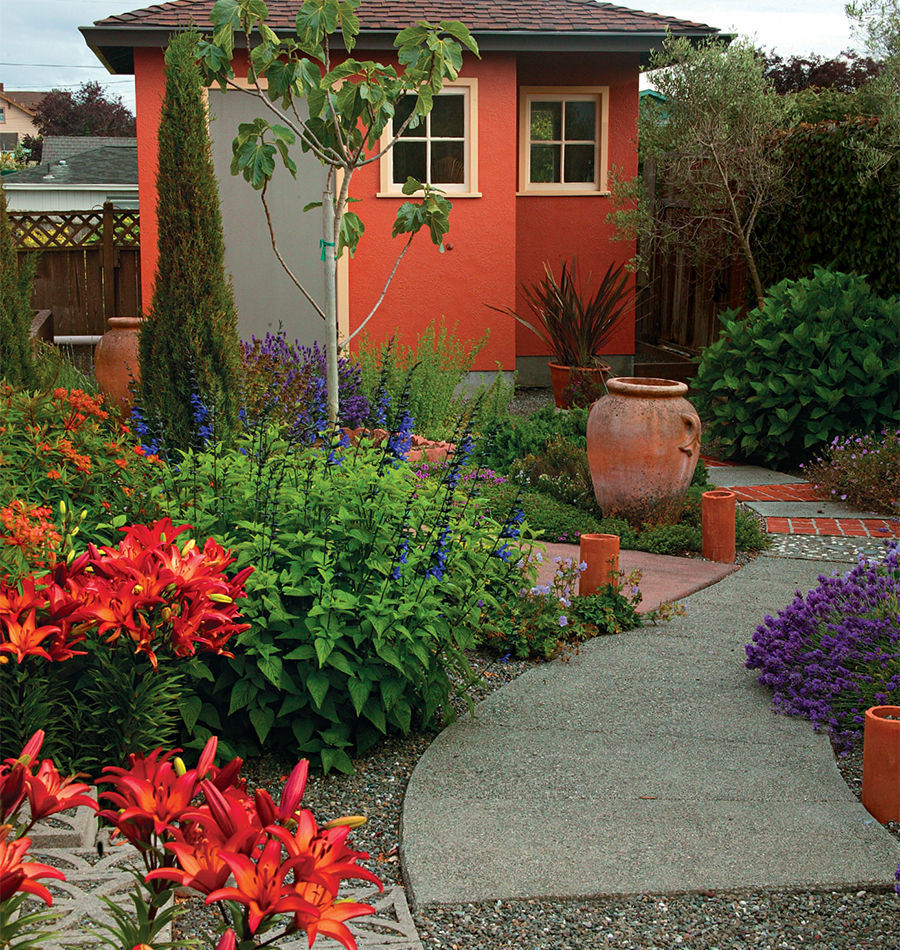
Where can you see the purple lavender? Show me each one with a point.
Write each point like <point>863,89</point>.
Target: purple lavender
<point>835,652</point>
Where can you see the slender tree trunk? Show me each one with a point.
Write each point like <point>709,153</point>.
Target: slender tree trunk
<point>331,326</point>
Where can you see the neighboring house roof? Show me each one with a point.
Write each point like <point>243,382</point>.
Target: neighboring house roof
<point>497,24</point>
<point>25,100</point>
<point>65,146</point>
<point>107,165</point>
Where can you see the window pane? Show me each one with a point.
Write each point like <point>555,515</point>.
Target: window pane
<point>409,160</point>
<point>579,163</point>
<point>580,120</point>
<point>448,117</point>
<point>447,163</point>
<point>545,163</point>
<point>546,121</point>
<point>404,107</point>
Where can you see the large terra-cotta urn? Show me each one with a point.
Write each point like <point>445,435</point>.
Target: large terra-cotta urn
<point>643,442</point>
<point>116,360</point>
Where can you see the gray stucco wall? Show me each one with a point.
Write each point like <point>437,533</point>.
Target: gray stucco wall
<point>264,294</point>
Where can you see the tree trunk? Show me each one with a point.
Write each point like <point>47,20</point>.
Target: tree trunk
<point>331,327</point>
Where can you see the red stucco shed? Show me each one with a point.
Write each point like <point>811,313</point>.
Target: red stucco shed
<point>523,145</point>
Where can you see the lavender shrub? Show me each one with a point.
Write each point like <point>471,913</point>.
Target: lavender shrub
<point>832,654</point>
<point>285,382</point>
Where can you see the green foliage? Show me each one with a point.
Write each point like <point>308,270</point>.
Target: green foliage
<point>818,361</point>
<point>95,709</point>
<point>862,470</point>
<point>54,369</point>
<point>189,341</point>
<point>16,278</point>
<point>838,220</point>
<point>561,470</point>
<point>434,372</point>
<point>572,324</point>
<point>509,438</point>
<point>611,610</point>
<point>363,599</point>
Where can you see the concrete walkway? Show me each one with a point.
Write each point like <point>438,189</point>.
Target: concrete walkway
<point>650,762</point>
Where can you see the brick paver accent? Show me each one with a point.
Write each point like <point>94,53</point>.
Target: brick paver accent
<point>835,527</point>
<point>801,491</point>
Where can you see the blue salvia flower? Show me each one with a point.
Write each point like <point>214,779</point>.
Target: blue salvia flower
<point>439,563</point>
<point>511,528</point>
<point>202,419</point>
<point>401,439</point>
<point>504,552</point>
<point>149,442</point>
<point>402,557</point>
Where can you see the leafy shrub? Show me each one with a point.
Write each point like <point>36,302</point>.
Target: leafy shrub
<point>433,372</point>
<point>98,640</point>
<point>365,594</point>
<point>560,469</point>
<point>55,370</point>
<point>62,446</point>
<point>512,437</point>
<point>863,470</point>
<point>832,654</point>
<point>16,278</point>
<point>838,219</point>
<point>286,383</point>
<point>818,361</point>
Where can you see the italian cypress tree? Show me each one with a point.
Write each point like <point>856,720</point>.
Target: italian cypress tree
<point>16,277</point>
<point>189,346</point>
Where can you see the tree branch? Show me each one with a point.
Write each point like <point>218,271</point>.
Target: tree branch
<point>282,261</point>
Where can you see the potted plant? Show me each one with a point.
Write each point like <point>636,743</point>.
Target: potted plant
<point>575,326</point>
<point>881,763</point>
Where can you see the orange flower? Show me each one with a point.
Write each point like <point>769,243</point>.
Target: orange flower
<point>49,794</point>
<point>54,474</point>
<point>18,875</point>
<point>122,463</point>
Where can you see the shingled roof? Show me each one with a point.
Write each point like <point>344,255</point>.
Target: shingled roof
<point>497,24</point>
<point>114,164</point>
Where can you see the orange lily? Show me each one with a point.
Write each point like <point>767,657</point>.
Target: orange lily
<point>18,875</point>
<point>49,794</point>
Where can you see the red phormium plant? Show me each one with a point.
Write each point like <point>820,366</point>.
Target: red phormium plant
<point>148,590</point>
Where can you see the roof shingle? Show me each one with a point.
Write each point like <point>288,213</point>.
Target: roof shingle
<point>480,16</point>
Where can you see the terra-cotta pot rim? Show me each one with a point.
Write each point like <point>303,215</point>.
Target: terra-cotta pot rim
<point>603,367</point>
<point>646,386</point>
<point>882,712</point>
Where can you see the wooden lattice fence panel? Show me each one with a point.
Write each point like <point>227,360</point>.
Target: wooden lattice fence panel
<point>88,265</point>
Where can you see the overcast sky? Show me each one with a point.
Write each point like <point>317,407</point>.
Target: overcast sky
<point>44,34</point>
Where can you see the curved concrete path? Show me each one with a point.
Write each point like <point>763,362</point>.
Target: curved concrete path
<point>650,762</point>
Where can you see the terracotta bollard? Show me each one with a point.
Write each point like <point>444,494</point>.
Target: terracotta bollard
<point>717,515</point>
<point>601,554</point>
<point>881,763</point>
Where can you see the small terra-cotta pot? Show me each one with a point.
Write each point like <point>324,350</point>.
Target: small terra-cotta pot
<point>881,763</point>
<point>600,552</point>
<point>577,385</point>
<point>643,442</point>
<point>717,519</point>
<point>116,360</point>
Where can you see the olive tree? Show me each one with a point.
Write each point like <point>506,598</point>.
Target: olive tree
<point>350,104</point>
<point>712,138</point>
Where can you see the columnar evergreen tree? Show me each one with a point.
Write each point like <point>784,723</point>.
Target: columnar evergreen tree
<point>16,276</point>
<point>189,341</point>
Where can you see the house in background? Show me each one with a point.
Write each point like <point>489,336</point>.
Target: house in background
<point>77,173</point>
<point>17,116</point>
<point>523,144</point>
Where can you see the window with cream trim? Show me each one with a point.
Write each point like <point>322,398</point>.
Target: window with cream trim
<point>563,139</point>
<point>442,149</point>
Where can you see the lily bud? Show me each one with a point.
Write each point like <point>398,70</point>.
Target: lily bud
<point>180,767</point>
<point>70,557</point>
<point>189,546</point>
<point>351,821</point>
<point>221,598</point>
<point>166,613</point>
<point>62,508</point>
<point>83,514</point>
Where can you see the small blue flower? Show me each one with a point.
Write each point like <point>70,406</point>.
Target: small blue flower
<point>563,620</point>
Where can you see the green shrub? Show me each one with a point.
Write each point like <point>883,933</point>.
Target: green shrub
<point>863,470</point>
<point>560,469</point>
<point>189,342</point>
<point>513,437</point>
<point>365,595</point>
<point>16,278</point>
<point>436,366</point>
<point>818,361</point>
<point>838,219</point>
<point>54,369</point>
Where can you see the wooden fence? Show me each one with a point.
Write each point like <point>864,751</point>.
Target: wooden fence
<point>679,302</point>
<point>89,265</point>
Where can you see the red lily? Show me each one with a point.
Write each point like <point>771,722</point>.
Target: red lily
<point>290,797</point>
<point>260,886</point>
<point>329,915</point>
<point>49,794</point>
<point>13,774</point>
<point>24,638</point>
<point>18,875</point>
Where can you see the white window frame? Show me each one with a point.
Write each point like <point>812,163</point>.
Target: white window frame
<point>468,188</point>
<point>563,94</point>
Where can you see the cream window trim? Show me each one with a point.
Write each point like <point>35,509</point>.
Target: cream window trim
<point>598,94</point>
<point>468,188</point>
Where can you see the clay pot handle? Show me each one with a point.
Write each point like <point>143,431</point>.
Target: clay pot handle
<point>692,437</point>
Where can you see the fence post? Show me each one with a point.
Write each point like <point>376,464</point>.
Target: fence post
<point>109,262</point>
